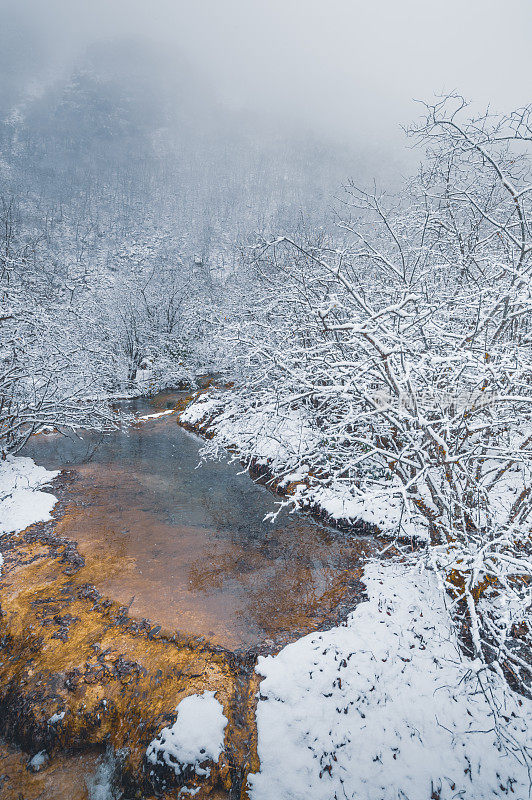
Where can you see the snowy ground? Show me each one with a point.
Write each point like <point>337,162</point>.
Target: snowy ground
<point>386,707</point>
<point>21,501</point>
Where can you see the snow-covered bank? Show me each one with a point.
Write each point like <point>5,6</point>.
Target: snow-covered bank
<point>386,707</point>
<point>279,438</point>
<point>21,501</point>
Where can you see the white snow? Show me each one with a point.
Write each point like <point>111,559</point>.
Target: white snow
<point>200,409</point>
<point>264,434</point>
<point>386,707</point>
<point>156,415</point>
<point>21,501</point>
<point>56,718</point>
<point>379,505</point>
<point>142,377</point>
<point>275,438</point>
<point>196,736</point>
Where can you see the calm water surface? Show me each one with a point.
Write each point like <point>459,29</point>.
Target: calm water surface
<point>185,545</point>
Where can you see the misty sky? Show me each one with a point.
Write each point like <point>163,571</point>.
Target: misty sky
<point>344,68</point>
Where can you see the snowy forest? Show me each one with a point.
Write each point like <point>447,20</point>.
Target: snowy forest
<point>348,333</point>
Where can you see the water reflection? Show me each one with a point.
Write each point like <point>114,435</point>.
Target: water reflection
<point>185,544</point>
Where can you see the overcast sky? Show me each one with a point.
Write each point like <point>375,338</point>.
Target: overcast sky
<point>346,68</point>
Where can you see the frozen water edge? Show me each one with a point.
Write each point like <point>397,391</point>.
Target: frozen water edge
<point>386,706</point>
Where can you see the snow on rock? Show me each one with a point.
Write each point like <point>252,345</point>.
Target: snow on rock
<point>385,707</point>
<point>38,761</point>
<point>196,736</point>
<point>57,717</point>
<point>21,502</point>
<point>201,409</point>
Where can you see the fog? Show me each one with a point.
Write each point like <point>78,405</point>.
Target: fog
<point>344,70</point>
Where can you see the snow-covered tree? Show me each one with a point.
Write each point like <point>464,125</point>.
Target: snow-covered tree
<point>405,344</point>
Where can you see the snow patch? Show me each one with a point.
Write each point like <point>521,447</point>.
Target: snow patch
<point>56,718</point>
<point>38,761</point>
<point>386,706</point>
<point>21,502</point>
<point>379,505</point>
<point>196,736</point>
<point>200,409</point>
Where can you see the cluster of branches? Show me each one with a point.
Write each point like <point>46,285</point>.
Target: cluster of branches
<point>48,343</point>
<point>407,342</point>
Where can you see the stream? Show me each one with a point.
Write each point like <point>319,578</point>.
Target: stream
<point>184,542</point>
